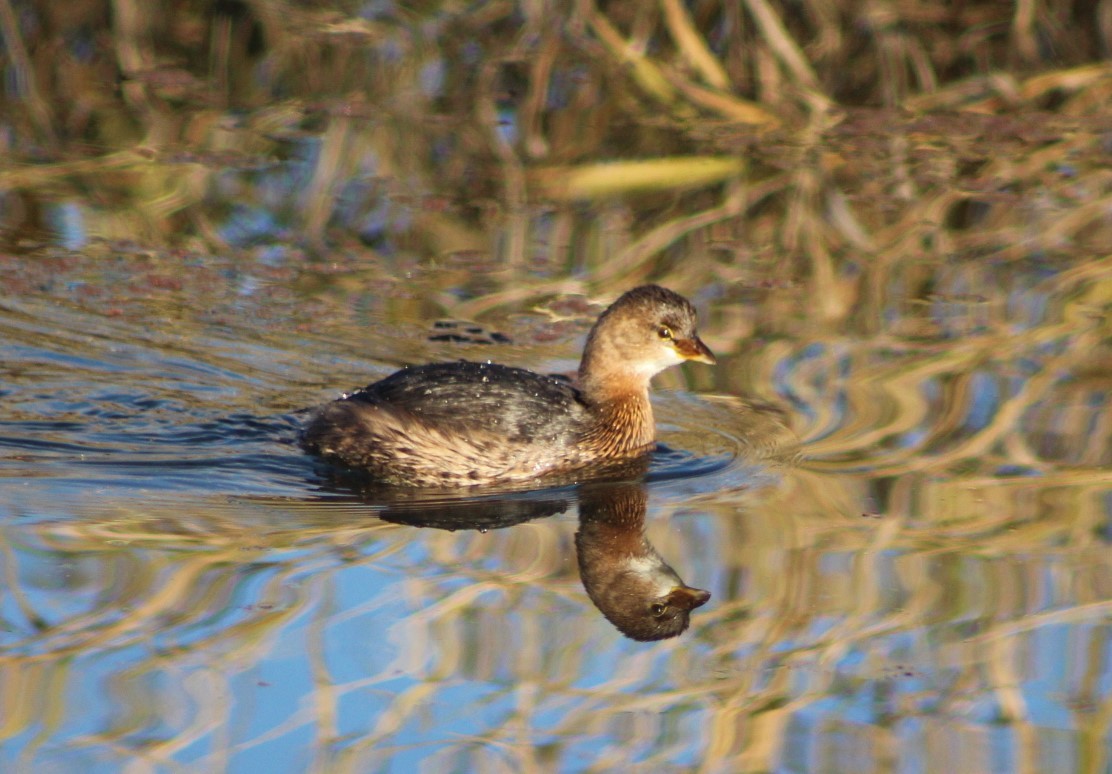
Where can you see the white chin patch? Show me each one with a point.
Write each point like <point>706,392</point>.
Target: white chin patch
<point>666,359</point>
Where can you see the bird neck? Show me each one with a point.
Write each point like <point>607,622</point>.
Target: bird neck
<point>617,396</point>
<point>623,421</point>
<point>606,376</point>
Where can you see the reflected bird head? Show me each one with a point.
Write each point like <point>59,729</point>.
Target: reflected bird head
<point>625,577</point>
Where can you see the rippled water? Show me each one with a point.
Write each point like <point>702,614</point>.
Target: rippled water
<point>183,585</point>
<point>895,486</point>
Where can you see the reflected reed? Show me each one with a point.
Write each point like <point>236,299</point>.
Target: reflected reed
<point>624,576</point>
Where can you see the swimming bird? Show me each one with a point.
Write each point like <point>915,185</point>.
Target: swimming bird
<point>467,423</point>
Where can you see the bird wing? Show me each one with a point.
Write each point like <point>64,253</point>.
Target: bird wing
<point>482,397</point>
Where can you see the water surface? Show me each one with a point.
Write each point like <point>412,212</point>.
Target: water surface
<point>895,484</point>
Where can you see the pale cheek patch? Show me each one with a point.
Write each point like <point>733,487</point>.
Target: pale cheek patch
<point>652,569</point>
<point>666,359</point>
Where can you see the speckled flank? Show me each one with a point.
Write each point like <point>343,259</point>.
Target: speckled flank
<point>434,443</point>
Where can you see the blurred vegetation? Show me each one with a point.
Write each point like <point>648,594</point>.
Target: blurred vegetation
<point>830,171</point>
<point>820,134</point>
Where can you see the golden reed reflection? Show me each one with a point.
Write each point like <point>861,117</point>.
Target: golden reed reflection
<point>623,574</point>
<point>901,229</point>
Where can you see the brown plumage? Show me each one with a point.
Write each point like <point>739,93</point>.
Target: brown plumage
<point>478,423</point>
<point>623,574</point>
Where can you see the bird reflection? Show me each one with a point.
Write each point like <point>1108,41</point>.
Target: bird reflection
<point>624,576</point>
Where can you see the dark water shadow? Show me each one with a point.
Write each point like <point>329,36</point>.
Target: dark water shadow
<point>624,576</point>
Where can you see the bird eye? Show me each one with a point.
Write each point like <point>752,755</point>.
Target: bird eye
<point>664,332</point>
<point>657,610</point>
